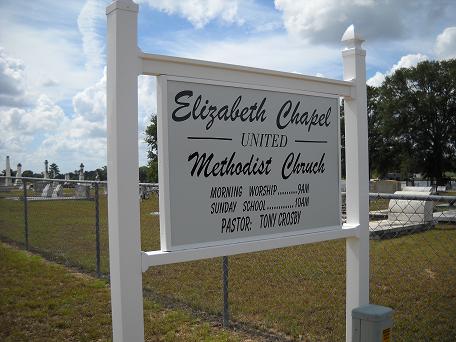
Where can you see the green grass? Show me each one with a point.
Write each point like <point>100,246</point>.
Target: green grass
<point>42,301</point>
<point>298,291</point>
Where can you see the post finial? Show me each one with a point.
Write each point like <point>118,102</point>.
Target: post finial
<point>351,38</point>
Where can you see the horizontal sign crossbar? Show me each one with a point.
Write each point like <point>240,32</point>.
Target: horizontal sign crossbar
<point>156,65</point>
<point>155,258</point>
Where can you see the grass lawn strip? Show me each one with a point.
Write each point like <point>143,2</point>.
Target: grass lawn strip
<point>44,301</point>
<point>298,291</point>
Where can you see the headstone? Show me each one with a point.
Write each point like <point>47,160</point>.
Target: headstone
<point>58,191</point>
<point>46,169</point>
<point>142,192</point>
<point>47,191</point>
<point>82,191</point>
<point>426,189</point>
<point>8,181</point>
<point>81,172</point>
<point>18,181</point>
<point>442,188</point>
<point>67,178</point>
<point>146,190</point>
<point>384,186</point>
<point>411,211</point>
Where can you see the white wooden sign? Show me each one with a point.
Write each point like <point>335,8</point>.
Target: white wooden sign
<point>240,163</point>
<point>266,177</point>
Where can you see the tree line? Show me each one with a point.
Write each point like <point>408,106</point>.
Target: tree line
<point>412,122</point>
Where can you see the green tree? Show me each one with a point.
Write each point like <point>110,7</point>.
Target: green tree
<point>414,125</point>
<point>383,149</point>
<point>54,169</point>
<point>27,173</point>
<point>151,139</point>
<point>152,150</point>
<point>152,172</point>
<point>103,173</point>
<point>143,174</point>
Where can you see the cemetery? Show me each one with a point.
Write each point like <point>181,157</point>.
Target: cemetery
<point>408,216</point>
<point>254,293</point>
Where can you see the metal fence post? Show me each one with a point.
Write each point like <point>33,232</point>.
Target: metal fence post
<point>26,232</point>
<point>226,309</point>
<point>97,229</point>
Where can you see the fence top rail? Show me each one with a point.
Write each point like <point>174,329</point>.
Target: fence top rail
<point>35,179</point>
<point>435,198</point>
<point>424,197</point>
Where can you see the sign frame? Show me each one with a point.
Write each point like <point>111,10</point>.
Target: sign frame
<point>125,62</point>
<point>163,162</point>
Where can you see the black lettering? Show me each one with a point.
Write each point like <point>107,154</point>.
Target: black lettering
<point>177,98</point>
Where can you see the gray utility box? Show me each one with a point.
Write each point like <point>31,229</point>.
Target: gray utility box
<point>372,323</point>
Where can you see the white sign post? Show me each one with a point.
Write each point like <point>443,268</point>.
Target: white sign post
<point>357,176</point>
<point>249,161</point>
<point>123,179</point>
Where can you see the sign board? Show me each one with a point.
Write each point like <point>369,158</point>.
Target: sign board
<point>242,163</point>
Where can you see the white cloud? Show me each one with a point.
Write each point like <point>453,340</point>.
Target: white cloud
<point>407,61</point>
<point>147,100</point>
<point>48,54</point>
<point>41,130</point>
<point>44,116</point>
<point>277,52</point>
<point>91,22</point>
<point>376,80</point>
<point>199,12</point>
<point>83,137</point>
<point>445,46</point>
<point>24,114</point>
<point>90,103</point>
<point>20,127</point>
<point>70,151</point>
<point>12,81</point>
<point>326,20</point>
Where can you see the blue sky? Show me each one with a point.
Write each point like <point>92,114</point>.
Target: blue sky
<point>52,57</point>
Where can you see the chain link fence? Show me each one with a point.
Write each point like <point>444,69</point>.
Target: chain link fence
<point>295,293</point>
<point>413,262</point>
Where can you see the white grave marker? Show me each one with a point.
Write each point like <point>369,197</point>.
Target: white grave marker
<point>18,181</point>
<point>8,181</point>
<point>46,169</point>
